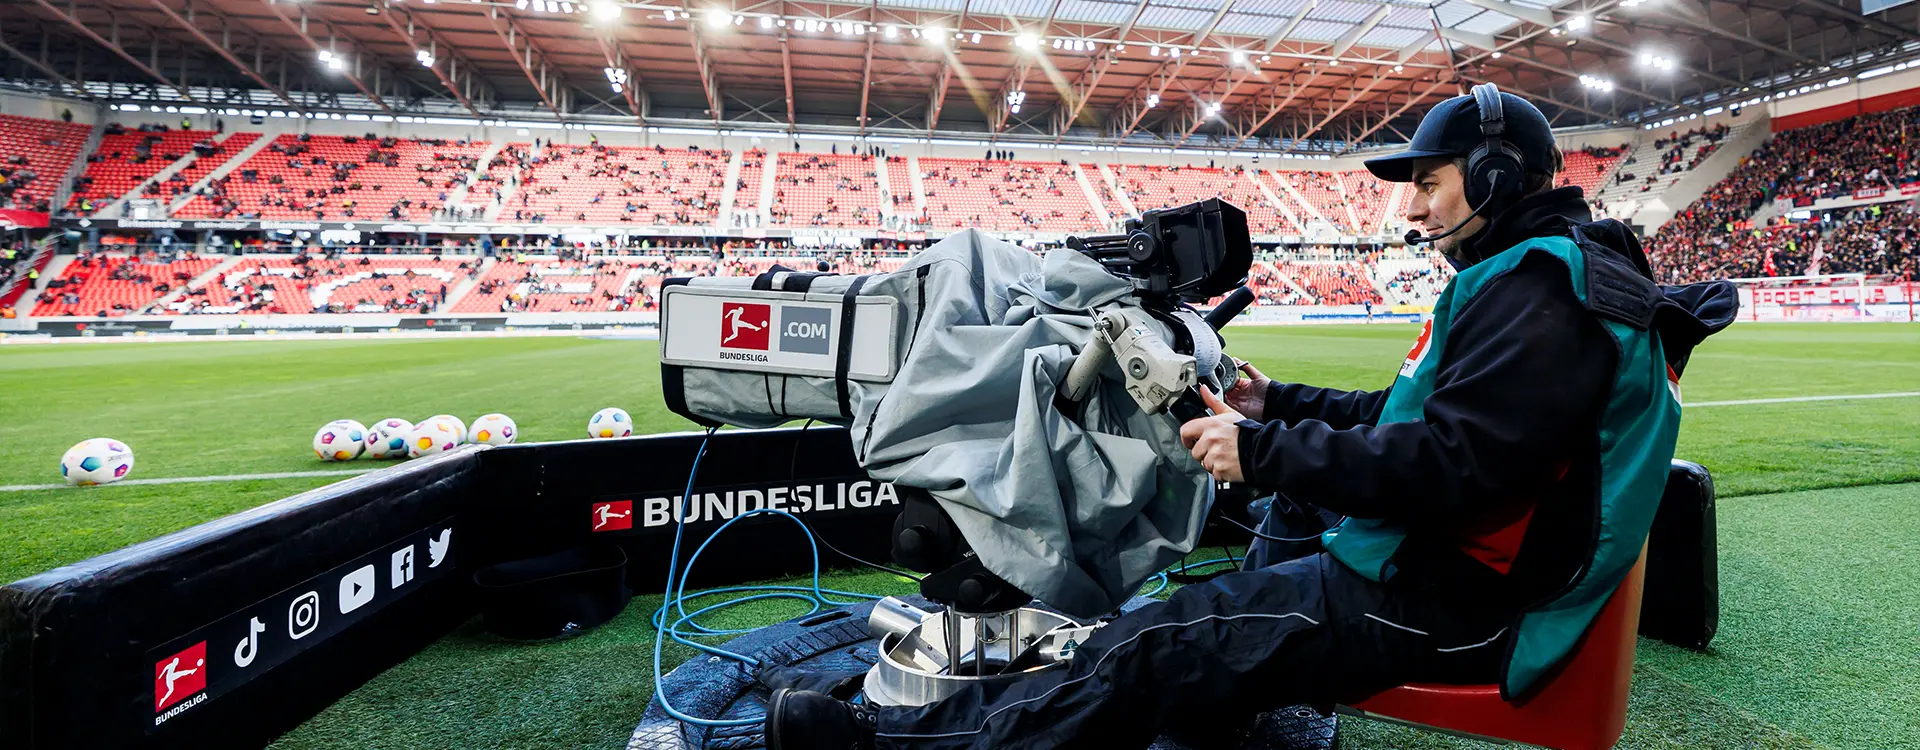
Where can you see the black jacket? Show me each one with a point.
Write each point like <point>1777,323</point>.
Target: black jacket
<point>1511,424</point>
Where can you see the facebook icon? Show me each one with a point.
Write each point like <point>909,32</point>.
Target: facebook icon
<point>402,569</point>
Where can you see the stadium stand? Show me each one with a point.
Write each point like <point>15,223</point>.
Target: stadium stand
<point>1655,165</point>
<point>900,179</point>
<point>1588,167</point>
<point>321,176</point>
<point>825,190</point>
<point>553,285</point>
<point>127,158</point>
<point>1716,238</point>
<point>504,170</point>
<point>1369,197</point>
<point>1323,190</point>
<point>183,181</point>
<point>746,193</point>
<point>1005,196</point>
<point>1151,187</point>
<point>319,284</point>
<point>114,285</point>
<point>1336,283</point>
<point>1108,199</point>
<point>35,155</point>
<point>1409,280</point>
<point>1882,239</point>
<point>611,185</point>
<point>1271,287</point>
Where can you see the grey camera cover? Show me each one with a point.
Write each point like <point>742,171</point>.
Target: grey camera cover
<point>1077,513</point>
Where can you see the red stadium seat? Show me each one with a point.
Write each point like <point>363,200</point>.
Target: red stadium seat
<point>1151,187</point>
<point>404,179</point>
<point>118,166</point>
<point>1005,196</point>
<point>1582,706</point>
<point>825,190</point>
<point>45,148</point>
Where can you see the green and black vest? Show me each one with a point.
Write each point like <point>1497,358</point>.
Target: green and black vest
<point>1639,425</point>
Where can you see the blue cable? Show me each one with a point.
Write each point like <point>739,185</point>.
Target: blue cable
<point>676,597</point>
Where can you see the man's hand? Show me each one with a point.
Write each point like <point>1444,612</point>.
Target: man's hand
<point>1249,393</point>
<point>1215,440</point>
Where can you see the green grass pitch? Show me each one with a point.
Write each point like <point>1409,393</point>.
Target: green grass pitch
<point>1819,509</point>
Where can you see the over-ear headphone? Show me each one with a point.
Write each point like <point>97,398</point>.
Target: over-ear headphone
<point>1495,170</point>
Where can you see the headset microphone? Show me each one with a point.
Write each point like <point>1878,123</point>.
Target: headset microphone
<point>1415,238</point>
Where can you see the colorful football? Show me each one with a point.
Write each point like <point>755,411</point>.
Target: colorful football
<point>340,440</point>
<point>430,437</point>
<point>387,438</point>
<point>610,422</point>
<point>96,461</point>
<point>493,429</point>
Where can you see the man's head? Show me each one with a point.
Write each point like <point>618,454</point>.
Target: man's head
<point>1517,158</point>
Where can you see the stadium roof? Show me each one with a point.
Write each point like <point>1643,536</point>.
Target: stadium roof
<point>1304,75</point>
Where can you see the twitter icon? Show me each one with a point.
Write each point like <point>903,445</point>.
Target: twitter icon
<point>437,547</point>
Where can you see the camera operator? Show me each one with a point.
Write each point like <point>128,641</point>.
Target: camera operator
<point>1495,495</point>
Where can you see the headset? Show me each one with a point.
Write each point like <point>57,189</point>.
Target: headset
<point>1495,168</point>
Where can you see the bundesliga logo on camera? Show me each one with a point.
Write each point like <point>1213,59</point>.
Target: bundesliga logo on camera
<point>745,326</point>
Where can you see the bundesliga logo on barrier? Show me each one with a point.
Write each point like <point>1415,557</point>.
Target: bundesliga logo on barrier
<point>178,677</point>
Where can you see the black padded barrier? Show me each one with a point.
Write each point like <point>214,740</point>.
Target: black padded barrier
<point>370,570</point>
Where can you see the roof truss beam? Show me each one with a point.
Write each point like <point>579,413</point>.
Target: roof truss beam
<point>358,59</point>
<point>223,47</point>
<point>547,81</point>
<point>113,45</point>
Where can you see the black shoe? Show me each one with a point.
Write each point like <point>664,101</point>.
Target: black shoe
<point>804,719</point>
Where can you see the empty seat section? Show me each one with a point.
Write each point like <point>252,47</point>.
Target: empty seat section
<point>546,285</point>
<point>1587,170</point>
<point>598,184</point>
<point>1343,283</point>
<point>309,284</point>
<point>116,285</point>
<point>1005,196</point>
<point>127,158</point>
<point>825,190</point>
<point>900,179</point>
<point>35,155</point>
<point>1369,197</point>
<point>200,167</point>
<point>339,177</point>
<point>1108,200</point>
<point>1324,192</point>
<point>1151,187</point>
<point>746,189</point>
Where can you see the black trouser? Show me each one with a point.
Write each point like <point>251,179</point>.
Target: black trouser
<point>1306,631</point>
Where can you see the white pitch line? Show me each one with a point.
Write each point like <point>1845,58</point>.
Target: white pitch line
<point>349,472</point>
<point>1800,399</point>
<point>191,480</point>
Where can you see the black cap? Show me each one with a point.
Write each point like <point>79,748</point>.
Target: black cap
<point>1452,129</point>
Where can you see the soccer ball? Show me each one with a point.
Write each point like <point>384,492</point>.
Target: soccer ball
<point>430,437</point>
<point>351,425</point>
<point>388,438</point>
<point>459,427</point>
<point>96,461</point>
<point>340,440</point>
<point>493,429</point>
<point>610,422</point>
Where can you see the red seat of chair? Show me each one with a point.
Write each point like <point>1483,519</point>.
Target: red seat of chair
<point>1582,706</point>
